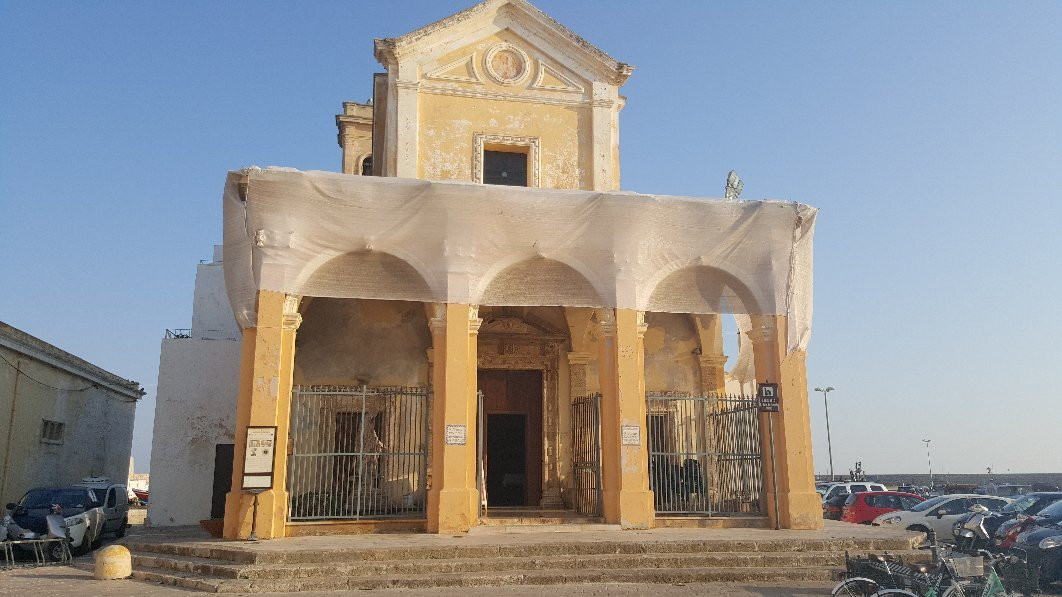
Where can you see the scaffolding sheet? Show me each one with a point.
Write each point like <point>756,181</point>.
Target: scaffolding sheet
<point>335,235</point>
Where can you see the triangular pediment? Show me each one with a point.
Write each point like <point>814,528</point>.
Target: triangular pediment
<point>462,70</point>
<point>522,18</point>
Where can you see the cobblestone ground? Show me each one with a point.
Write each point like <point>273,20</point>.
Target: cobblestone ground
<point>66,580</point>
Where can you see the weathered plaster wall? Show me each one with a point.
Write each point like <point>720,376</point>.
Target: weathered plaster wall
<point>97,432</point>
<point>211,314</point>
<point>670,362</point>
<point>195,407</point>
<point>354,342</point>
<point>195,410</point>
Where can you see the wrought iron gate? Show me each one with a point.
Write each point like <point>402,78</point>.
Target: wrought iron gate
<point>357,453</point>
<point>586,455</point>
<point>704,454</point>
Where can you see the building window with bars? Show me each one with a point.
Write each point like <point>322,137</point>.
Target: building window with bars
<point>52,432</point>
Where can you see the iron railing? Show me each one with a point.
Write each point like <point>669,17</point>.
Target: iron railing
<point>178,333</point>
<point>704,454</point>
<point>357,453</point>
<point>586,455</point>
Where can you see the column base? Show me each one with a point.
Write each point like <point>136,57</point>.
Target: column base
<point>630,509</point>
<point>272,514</point>
<point>801,511</point>
<point>453,510</point>
<point>551,499</point>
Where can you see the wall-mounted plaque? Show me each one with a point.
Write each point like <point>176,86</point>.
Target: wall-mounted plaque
<point>259,457</point>
<point>631,435</point>
<point>456,435</point>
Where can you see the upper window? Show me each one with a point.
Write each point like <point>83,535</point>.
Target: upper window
<point>505,167</point>
<point>52,432</point>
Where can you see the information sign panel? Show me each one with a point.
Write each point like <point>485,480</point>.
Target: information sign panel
<point>767,396</point>
<point>259,457</point>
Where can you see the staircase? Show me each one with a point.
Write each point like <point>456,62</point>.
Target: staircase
<point>545,559</point>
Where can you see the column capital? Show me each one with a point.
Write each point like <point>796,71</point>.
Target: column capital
<point>714,360</point>
<point>437,318</point>
<point>474,321</point>
<point>578,358</point>
<point>291,319</point>
<point>606,321</point>
<point>764,332</point>
<point>642,327</point>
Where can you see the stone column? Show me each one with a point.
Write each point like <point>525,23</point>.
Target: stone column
<point>577,363</point>
<point>624,465</point>
<point>453,499</point>
<point>799,506</point>
<point>266,365</point>
<point>713,375</point>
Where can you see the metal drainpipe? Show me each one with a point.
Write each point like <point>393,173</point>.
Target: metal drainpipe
<point>10,429</point>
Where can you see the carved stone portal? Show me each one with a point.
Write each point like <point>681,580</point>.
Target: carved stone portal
<point>507,342</point>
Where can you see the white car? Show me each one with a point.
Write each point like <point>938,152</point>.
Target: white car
<point>831,490</point>
<point>939,513</point>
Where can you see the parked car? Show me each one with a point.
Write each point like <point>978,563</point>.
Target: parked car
<point>831,510</point>
<point>865,506</point>
<point>1038,541</point>
<point>1026,505</point>
<point>835,489</point>
<point>1004,489</point>
<point>115,504</point>
<point>940,513</point>
<point>79,505</point>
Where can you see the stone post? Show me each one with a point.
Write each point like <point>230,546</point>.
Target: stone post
<point>799,506</point>
<point>453,499</point>
<point>266,366</point>
<point>624,451</point>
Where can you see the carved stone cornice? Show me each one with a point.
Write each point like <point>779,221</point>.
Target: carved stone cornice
<point>640,325</point>
<point>606,321</point>
<point>761,333</point>
<point>718,360</point>
<point>291,318</point>
<point>578,358</point>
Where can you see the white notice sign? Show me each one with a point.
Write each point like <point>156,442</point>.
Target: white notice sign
<point>456,435</point>
<point>259,456</point>
<point>631,435</point>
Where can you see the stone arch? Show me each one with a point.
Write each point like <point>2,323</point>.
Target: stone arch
<point>538,281</point>
<point>366,274</point>
<point>703,289</point>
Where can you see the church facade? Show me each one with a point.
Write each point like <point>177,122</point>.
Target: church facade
<point>473,321</point>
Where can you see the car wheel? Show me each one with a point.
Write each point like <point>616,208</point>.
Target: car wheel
<point>121,528</point>
<point>57,551</point>
<point>84,548</point>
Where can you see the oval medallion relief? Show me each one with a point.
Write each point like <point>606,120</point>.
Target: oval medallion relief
<point>507,64</point>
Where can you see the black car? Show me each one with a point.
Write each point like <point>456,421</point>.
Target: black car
<point>1029,505</point>
<point>1038,541</point>
<point>31,510</point>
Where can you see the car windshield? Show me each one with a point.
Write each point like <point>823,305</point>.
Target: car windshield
<point>926,505</point>
<point>1020,505</point>
<point>1054,510</point>
<point>69,499</point>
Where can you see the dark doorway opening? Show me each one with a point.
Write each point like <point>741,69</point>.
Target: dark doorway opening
<point>222,478</point>
<point>507,460</point>
<point>512,450</point>
<point>505,167</point>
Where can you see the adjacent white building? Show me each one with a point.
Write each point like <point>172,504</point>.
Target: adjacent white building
<point>195,409</point>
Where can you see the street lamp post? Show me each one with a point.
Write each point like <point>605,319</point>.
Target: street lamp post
<point>929,461</point>
<point>829,443</point>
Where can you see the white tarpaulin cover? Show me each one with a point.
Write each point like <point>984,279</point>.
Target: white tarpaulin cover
<point>325,234</point>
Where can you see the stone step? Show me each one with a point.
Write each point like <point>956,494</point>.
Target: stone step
<point>549,548</point>
<point>542,525</point>
<point>535,577</point>
<point>205,567</point>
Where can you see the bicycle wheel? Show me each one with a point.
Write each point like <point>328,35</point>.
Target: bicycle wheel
<point>895,593</point>
<point>963,589</point>
<point>855,587</point>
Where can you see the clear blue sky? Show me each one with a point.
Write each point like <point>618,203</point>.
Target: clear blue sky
<point>929,134</point>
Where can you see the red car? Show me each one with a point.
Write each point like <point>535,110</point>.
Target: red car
<point>865,506</point>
